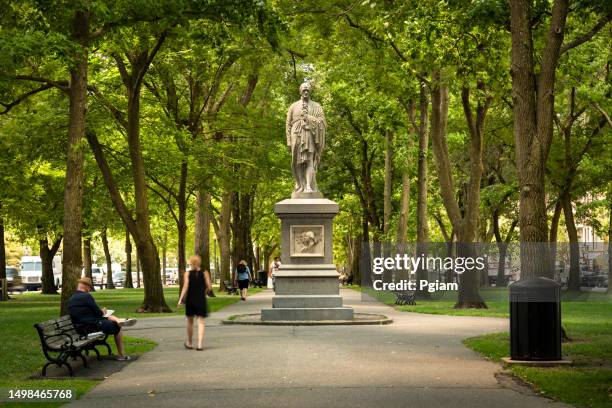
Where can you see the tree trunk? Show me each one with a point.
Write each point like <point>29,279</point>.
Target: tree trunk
<point>246,201</point>
<point>202,228</point>
<point>501,266</point>
<point>402,223</point>
<point>573,282</point>
<point>257,259</point>
<point>469,295</point>
<point>466,224</point>
<point>356,261</point>
<point>388,188</point>
<point>216,259</point>
<point>138,268</point>
<point>139,227</point>
<point>236,250</point>
<point>87,261</point>
<point>154,300</point>
<point>502,248</point>
<point>610,243</point>
<point>47,279</point>
<point>222,231</point>
<point>46,256</point>
<point>451,251</point>
<point>552,240</point>
<point>128,261</point>
<point>73,186</point>
<point>240,227</point>
<point>365,267</point>
<point>533,107</point>
<point>182,224</point>
<point>109,261</point>
<point>2,257</point>
<point>164,257</point>
<point>422,221</point>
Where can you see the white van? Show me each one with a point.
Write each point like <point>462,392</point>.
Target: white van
<point>171,276</point>
<point>97,274</point>
<point>31,272</point>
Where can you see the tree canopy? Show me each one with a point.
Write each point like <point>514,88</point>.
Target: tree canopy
<point>470,122</point>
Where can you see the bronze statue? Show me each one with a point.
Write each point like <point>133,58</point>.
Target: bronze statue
<point>306,140</point>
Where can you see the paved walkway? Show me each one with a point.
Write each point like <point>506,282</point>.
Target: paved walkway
<point>418,361</point>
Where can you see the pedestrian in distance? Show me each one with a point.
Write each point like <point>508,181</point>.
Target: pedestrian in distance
<point>242,277</point>
<point>274,267</point>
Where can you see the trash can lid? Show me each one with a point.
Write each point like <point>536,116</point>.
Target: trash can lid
<point>537,282</point>
<point>537,289</point>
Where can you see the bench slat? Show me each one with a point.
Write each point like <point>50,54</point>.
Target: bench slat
<point>55,321</point>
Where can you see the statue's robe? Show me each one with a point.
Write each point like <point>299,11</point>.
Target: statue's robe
<point>305,134</point>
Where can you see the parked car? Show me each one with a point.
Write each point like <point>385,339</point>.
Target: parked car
<point>97,275</point>
<point>119,279</point>
<point>13,280</point>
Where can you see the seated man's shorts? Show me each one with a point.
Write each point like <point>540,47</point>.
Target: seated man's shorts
<point>108,326</point>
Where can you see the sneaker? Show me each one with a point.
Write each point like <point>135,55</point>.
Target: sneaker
<point>95,335</point>
<point>128,322</point>
<point>124,358</point>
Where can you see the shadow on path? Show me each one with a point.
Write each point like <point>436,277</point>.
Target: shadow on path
<point>418,360</point>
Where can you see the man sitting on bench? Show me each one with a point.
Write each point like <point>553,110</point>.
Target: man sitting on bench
<point>87,316</point>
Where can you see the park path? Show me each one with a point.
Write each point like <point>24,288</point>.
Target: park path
<point>417,361</point>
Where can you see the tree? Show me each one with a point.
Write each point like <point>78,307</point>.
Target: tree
<point>533,99</point>
<point>73,30</point>
<point>2,258</point>
<point>109,261</point>
<point>128,260</point>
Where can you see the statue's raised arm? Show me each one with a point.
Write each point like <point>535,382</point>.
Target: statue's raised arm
<point>305,130</point>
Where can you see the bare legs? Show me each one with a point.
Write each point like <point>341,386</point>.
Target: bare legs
<point>243,293</point>
<point>189,331</point>
<point>119,343</point>
<point>118,336</point>
<point>201,329</point>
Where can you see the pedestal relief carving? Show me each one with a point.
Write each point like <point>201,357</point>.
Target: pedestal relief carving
<point>307,241</point>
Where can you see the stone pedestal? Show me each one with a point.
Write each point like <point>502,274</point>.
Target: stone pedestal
<point>307,282</point>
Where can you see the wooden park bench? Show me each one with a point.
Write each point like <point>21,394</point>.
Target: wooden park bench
<point>256,283</point>
<point>60,341</point>
<point>230,288</point>
<point>405,298</point>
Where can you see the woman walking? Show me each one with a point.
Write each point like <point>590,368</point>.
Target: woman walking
<point>243,277</point>
<point>196,285</point>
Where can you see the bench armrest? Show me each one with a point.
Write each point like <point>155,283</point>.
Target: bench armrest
<point>64,335</point>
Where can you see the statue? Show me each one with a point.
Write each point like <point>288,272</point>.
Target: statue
<point>306,140</point>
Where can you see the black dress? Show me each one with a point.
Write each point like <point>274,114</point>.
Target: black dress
<point>195,304</point>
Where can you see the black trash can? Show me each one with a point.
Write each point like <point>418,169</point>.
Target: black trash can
<point>535,320</point>
<point>262,276</point>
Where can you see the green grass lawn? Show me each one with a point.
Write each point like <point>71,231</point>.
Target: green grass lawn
<point>587,319</point>
<point>21,355</point>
